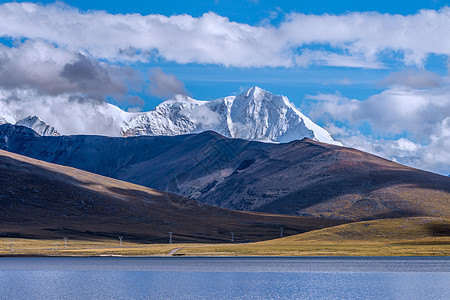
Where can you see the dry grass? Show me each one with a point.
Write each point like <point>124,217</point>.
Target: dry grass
<point>49,247</point>
<point>393,237</point>
<point>396,237</point>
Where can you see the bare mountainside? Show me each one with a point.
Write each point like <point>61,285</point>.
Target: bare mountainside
<point>300,178</point>
<point>43,200</point>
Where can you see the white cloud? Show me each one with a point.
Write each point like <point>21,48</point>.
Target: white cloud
<point>437,154</point>
<point>433,156</point>
<point>420,117</point>
<point>353,39</point>
<point>394,111</point>
<point>67,113</point>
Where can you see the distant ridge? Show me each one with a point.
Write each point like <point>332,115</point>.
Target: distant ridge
<point>305,177</point>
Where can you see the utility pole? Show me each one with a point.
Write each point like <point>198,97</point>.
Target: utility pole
<point>281,231</point>
<point>232,237</point>
<point>170,237</point>
<point>120,239</point>
<point>65,242</point>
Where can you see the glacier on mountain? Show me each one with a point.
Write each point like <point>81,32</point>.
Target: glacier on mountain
<point>38,126</point>
<point>254,115</point>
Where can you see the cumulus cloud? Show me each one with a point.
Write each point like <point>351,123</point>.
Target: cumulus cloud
<point>51,70</point>
<point>432,156</point>
<point>414,124</point>
<point>164,85</point>
<point>394,111</point>
<point>356,39</point>
<point>93,78</point>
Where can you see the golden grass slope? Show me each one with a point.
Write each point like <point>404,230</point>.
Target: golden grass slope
<point>407,236</point>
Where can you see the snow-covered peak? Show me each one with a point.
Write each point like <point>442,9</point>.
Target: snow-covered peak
<point>256,114</point>
<point>2,120</point>
<point>253,92</point>
<point>39,126</point>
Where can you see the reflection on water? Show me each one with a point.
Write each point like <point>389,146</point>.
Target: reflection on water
<point>224,278</point>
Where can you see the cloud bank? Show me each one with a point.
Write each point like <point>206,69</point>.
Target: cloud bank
<point>407,124</point>
<point>67,113</point>
<point>52,71</point>
<point>353,39</point>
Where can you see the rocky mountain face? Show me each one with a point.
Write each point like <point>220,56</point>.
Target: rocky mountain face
<point>305,177</point>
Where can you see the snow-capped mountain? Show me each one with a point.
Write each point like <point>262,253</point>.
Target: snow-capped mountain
<point>2,120</point>
<point>254,115</point>
<point>38,126</point>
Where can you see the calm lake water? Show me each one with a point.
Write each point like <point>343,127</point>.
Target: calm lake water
<point>225,278</point>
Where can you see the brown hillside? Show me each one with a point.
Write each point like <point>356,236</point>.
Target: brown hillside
<point>43,200</point>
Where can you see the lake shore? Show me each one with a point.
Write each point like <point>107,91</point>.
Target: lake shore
<point>278,247</point>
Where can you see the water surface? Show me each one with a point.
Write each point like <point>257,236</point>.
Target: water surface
<point>225,278</point>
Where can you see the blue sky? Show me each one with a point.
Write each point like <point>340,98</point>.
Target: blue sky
<point>249,11</point>
<point>212,81</point>
<point>373,73</point>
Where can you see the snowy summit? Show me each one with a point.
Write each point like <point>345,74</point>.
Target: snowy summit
<point>38,126</point>
<point>256,114</point>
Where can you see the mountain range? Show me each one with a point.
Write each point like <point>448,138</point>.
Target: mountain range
<point>255,114</point>
<point>306,177</point>
<point>47,201</point>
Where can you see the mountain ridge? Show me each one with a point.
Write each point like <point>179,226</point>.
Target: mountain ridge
<point>304,177</point>
<point>44,200</point>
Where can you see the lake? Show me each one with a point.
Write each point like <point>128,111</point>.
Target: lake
<point>225,278</point>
